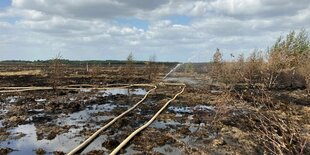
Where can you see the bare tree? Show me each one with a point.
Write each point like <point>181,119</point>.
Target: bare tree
<point>129,68</point>
<point>95,72</point>
<point>56,71</point>
<point>151,68</point>
<point>129,62</point>
<point>217,65</point>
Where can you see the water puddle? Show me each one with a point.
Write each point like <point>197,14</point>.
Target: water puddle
<point>124,91</point>
<point>89,118</point>
<point>186,80</point>
<point>180,109</point>
<point>190,110</point>
<point>203,108</point>
<point>88,115</point>
<point>96,144</point>
<point>168,149</point>
<point>131,150</point>
<point>62,142</point>
<point>29,143</point>
<point>164,124</point>
<point>12,99</point>
<point>193,128</point>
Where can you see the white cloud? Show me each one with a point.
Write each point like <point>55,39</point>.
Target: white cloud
<point>4,25</point>
<point>89,29</point>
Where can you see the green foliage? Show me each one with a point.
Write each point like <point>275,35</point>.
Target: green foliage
<point>291,47</point>
<point>288,55</point>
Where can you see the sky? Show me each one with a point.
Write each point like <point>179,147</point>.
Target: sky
<point>173,30</point>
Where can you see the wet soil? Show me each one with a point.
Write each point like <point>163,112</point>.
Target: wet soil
<point>205,119</point>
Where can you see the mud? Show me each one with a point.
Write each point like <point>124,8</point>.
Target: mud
<point>205,119</point>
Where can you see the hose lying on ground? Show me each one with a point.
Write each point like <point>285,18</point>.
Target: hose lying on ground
<point>121,145</point>
<point>69,87</point>
<point>87,141</point>
<point>91,138</point>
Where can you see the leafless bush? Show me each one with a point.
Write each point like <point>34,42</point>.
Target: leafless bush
<point>162,68</point>
<point>129,68</point>
<point>229,75</point>
<point>151,69</point>
<point>221,110</point>
<point>189,68</point>
<point>217,65</point>
<point>253,69</point>
<point>273,123</point>
<point>304,68</point>
<point>95,72</point>
<point>278,135</point>
<point>276,131</point>
<point>224,72</point>
<point>56,72</point>
<point>248,70</point>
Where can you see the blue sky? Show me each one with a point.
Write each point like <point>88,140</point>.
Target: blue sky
<point>5,3</point>
<point>173,30</point>
<point>180,19</point>
<point>133,22</point>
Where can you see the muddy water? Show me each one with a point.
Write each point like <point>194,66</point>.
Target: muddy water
<point>124,92</point>
<point>92,118</point>
<point>168,149</point>
<point>27,141</point>
<point>88,115</point>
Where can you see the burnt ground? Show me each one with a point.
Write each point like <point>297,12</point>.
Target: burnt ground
<point>205,119</point>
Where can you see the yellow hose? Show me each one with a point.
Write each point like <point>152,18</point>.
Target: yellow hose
<point>69,87</point>
<point>88,140</point>
<point>121,145</point>
<point>21,89</point>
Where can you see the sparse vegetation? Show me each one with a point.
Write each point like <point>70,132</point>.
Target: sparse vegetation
<point>189,68</point>
<point>217,65</point>
<point>129,68</point>
<point>256,105</point>
<point>286,67</point>
<point>151,69</point>
<point>286,58</point>
<point>28,72</point>
<point>95,72</point>
<point>56,71</point>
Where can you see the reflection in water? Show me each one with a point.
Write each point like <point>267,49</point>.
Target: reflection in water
<point>164,124</point>
<point>65,142</point>
<point>29,142</point>
<point>189,110</point>
<point>168,149</point>
<point>123,92</point>
<point>81,117</point>
<point>90,119</point>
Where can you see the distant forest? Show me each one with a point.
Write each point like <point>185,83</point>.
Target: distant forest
<point>66,61</point>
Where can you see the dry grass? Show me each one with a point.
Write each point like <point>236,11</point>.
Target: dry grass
<point>273,122</point>
<point>26,72</point>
